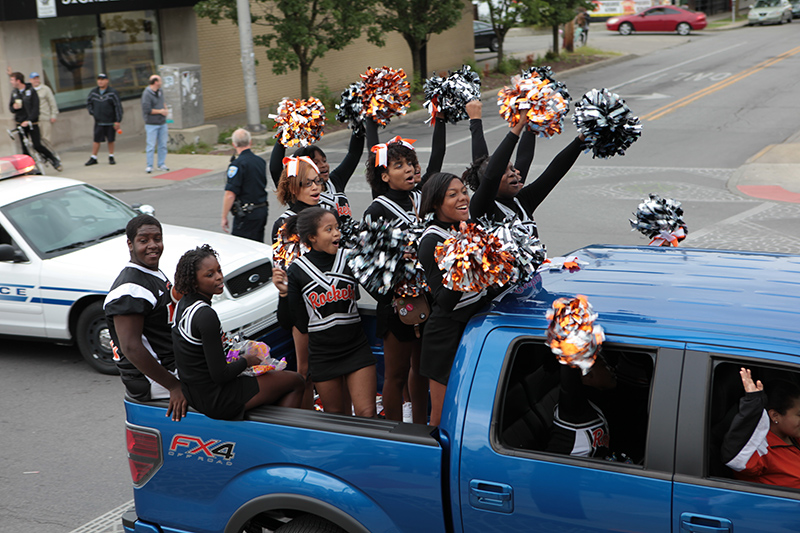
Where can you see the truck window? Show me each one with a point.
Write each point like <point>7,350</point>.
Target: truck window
<point>610,425</point>
<point>726,392</point>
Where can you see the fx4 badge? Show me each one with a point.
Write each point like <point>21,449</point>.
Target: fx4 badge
<point>211,451</point>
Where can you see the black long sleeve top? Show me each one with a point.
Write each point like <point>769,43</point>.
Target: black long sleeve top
<point>525,151</point>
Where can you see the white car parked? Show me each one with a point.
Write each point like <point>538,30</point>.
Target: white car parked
<point>62,244</point>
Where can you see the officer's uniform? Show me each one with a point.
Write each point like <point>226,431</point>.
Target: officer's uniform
<point>247,179</point>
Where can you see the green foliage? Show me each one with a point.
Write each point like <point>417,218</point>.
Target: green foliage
<point>416,21</point>
<point>507,14</point>
<point>199,148</point>
<point>509,66</point>
<point>300,31</point>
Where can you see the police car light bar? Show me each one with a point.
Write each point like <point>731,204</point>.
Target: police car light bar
<point>16,165</point>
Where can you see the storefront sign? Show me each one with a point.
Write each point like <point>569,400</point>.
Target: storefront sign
<point>21,10</point>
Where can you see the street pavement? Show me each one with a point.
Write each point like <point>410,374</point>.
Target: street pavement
<point>772,174</point>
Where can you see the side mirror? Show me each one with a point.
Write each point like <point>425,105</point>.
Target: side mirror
<point>144,209</point>
<point>9,253</point>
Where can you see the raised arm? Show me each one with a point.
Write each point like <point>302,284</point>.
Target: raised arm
<point>342,174</point>
<point>276,162</point>
<point>482,202</point>
<point>438,148</point>
<point>534,193</point>
<point>527,145</point>
<point>475,113</point>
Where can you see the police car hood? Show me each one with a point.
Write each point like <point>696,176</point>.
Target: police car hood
<point>103,261</point>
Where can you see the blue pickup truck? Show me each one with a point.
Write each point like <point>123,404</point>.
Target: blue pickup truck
<point>679,324</point>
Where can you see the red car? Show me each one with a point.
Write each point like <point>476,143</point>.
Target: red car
<point>659,18</point>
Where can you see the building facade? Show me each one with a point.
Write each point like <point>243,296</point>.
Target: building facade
<point>70,41</point>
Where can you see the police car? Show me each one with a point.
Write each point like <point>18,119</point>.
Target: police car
<point>62,244</point>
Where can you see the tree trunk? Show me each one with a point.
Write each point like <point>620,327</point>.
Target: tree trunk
<point>555,39</point>
<point>423,60</point>
<point>416,63</point>
<point>569,36</point>
<point>304,81</point>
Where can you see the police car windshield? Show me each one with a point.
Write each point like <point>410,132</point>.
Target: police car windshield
<point>60,221</point>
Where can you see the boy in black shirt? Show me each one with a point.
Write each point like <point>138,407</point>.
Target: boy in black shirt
<point>139,311</point>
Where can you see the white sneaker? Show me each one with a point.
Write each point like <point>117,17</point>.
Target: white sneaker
<point>407,416</point>
<point>163,168</point>
<point>148,170</point>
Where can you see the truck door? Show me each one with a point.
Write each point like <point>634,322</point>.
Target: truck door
<point>21,309</point>
<point>511,480</point>
<point>708,496</point>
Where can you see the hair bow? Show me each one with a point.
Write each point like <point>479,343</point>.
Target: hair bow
<point>382,150</point>
<point>291,164</point>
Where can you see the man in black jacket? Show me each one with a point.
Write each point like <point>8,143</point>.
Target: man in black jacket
<point>105,106</point>
<point>24,105</point>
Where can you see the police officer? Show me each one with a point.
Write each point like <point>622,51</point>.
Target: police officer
<point>245,191</point>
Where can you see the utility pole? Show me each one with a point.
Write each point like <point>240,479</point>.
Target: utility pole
<point>248,67</point>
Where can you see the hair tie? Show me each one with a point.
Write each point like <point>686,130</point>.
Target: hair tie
<point>291,164</point>
<point>381,150</point>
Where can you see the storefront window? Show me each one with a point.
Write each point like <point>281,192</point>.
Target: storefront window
<point>126,46</point>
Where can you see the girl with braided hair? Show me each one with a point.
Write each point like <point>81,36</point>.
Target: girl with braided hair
<point>210,384</point>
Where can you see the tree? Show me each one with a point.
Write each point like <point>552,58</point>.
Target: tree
<point>554,13</point>
<point>302,31</point>
<point>504,15</point>
<point>416,21</point>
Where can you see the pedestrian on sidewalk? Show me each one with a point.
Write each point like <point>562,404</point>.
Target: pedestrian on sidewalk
<point>246,191</point>
<point>48,108</point>
<point>24,104</point>
<point>155,112</point>
<point>105,106</point>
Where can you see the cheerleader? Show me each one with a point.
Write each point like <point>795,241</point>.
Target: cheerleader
<point>318,294</point>
<point>514,198</point>
<point>446,196</point>
<point>392,176</point>
<point>333,182</point>
<point>210,384</point>
<point>299,187</point>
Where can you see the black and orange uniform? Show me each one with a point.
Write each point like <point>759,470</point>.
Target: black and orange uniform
<point>756,454</point>
<point>322,300</point>
<point>210,384</point>
<point>333,196</point>
<point>141,291</point>
<point>451,309</point>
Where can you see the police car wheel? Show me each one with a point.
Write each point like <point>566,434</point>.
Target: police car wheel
<point>94,340</point>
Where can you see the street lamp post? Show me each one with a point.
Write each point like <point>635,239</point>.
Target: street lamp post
<point>248,67</point>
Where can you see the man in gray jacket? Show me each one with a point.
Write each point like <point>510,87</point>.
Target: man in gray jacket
<point>155,114</point>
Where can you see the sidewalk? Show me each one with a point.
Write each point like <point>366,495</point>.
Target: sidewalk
<point>773,174</point>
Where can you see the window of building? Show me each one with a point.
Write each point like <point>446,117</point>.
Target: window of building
<point>126,46</point>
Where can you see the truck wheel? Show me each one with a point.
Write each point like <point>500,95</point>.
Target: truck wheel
<point>309,523</point>
<point>94,340</point>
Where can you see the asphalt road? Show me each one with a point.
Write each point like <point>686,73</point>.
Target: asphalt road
<point>63,424</point>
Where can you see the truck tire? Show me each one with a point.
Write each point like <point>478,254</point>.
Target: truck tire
<point>94,340</point>
<point>309,523</point>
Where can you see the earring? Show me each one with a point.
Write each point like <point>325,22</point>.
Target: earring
<point>775,421</point>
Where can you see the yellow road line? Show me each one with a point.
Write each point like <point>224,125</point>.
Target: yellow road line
<point>686,100</point>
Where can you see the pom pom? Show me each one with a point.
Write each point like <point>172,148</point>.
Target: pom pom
<point>446,98</point>
<point>541,100</point>
<point>527,252</point>
<point>660,219</point>
<point>572,334</point>
<point>286,248</point>
<point>607,123</point>
<point>546,73</point>
<point>474,259</point>
<point>377,259</point>
<point>299,121</point>
<point>386,94</point>
<point>351,107</point>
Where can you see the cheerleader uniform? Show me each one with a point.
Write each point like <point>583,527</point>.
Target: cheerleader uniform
<point>532,195</point>
<point>333,196</point>
<point>209,383</point>
<point>322,299</point>
<point>294,209</point>
<point>403,206</point>
<point>452,309</point>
